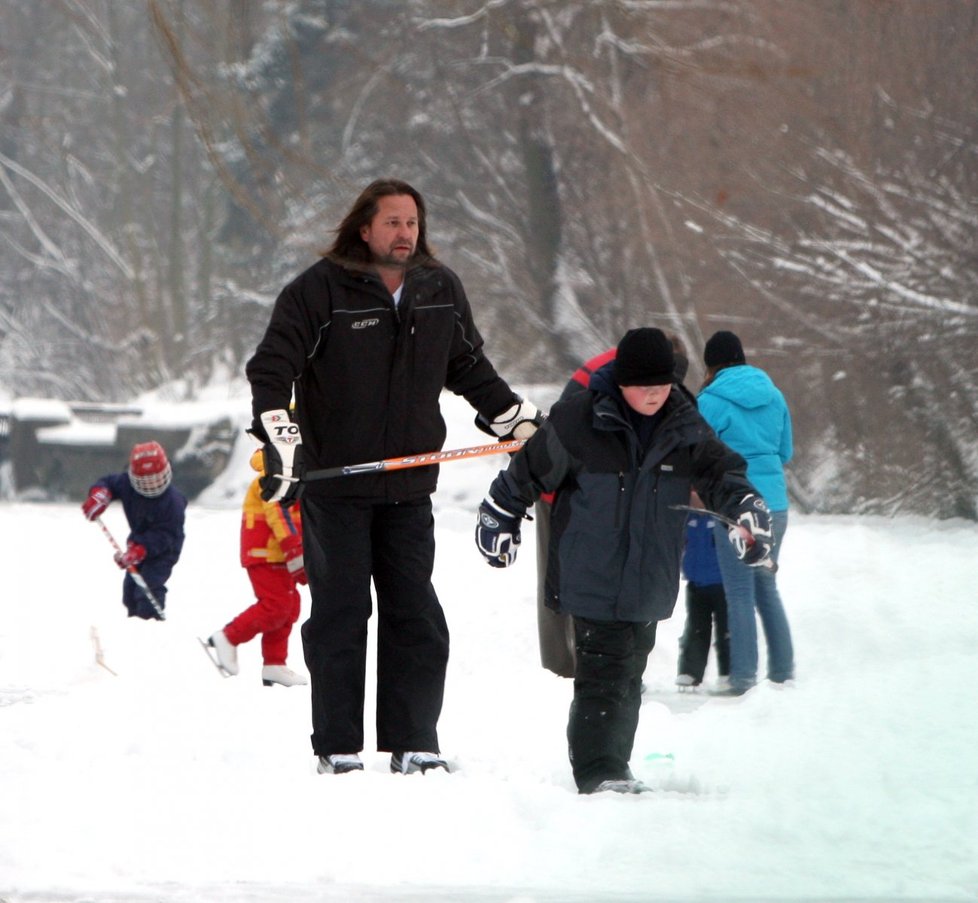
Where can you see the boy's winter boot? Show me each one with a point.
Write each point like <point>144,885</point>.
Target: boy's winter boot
<point>621,785</point>
<point>279,674</point>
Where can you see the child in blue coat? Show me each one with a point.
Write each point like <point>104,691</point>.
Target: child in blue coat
<point>155,510</point>
<point>706,605</point>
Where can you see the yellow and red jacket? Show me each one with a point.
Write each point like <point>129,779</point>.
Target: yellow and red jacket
<point>266,526</point>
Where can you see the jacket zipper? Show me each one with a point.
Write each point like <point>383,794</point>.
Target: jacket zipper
<point>621,495</point>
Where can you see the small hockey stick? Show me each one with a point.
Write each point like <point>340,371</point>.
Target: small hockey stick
<point>134,572</point>
<point>768,563</point>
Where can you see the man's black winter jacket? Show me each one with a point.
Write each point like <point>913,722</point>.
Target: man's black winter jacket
<point>616,543</point>
<point>368,375</point>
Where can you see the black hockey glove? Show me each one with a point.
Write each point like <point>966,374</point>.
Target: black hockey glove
<point>282,456</point>
<point>752,537</point>
<point>497,534</point>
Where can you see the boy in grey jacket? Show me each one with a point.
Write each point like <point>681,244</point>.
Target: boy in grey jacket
<point>620,456</point>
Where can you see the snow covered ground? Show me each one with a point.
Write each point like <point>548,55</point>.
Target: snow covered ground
<point>165,782</point>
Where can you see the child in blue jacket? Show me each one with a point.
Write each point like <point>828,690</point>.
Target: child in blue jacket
<point>706,605</point>
<point>155,510</point>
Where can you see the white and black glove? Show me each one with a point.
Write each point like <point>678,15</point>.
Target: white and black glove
<point>752,537</point>
<point>497,534</point>
<point>518,421</point>
<point>282,456</point>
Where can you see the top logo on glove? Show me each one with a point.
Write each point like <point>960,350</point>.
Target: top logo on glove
<point>286,433</point>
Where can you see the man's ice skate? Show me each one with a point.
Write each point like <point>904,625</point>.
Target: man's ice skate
<point>413,762</point>
<point>284,677</point>
<point>225,654</point>
<point>687,683</point>
<point>339,763</point>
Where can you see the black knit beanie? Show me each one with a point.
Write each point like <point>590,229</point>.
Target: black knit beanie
<point>645,358</point>
<point>723,348</point>
<point>682,366</point>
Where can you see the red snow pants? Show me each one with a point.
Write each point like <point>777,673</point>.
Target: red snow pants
<point>272,615</point>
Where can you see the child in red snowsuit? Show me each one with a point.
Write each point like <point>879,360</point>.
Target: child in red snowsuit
<point>271,551</point>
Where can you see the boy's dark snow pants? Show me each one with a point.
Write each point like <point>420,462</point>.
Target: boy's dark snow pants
<point>611,658</point>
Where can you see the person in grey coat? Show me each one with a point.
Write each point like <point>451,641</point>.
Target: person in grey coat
<point>556,629</point>
<point>620,457</point>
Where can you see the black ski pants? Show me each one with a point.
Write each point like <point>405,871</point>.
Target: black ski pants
<point>611,659</point>
<point>706,609</point>
<point>345,544</point>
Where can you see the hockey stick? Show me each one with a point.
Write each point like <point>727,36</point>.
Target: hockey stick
<point>422,460</point>
<point>133,572</point>
<point>768,563</point>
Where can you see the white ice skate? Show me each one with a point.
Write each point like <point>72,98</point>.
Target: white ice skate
<point>285,677</point>
<point>225,654</point>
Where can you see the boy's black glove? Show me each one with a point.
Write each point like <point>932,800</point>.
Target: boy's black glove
<point>497,534</point>
<point>752,537</point>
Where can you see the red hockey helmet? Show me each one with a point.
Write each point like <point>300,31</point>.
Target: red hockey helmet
<point>149,469</point>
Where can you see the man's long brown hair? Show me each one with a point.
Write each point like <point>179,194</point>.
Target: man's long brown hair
<point>349,249</point>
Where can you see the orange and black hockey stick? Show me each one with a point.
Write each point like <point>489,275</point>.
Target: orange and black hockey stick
<point>420,460</point>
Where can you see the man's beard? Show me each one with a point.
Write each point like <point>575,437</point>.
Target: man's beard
<point>390,261</point>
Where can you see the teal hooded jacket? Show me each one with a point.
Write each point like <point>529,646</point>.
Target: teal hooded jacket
<point>748,412</point>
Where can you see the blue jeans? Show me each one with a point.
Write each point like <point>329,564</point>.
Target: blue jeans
<point>748,589</point>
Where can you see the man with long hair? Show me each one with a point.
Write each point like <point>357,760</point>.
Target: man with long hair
<point>368,337</point>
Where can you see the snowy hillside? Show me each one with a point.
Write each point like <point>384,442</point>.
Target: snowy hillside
<point>164,782</point>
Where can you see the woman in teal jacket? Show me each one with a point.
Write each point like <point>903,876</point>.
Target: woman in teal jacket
<point>748,412</point>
